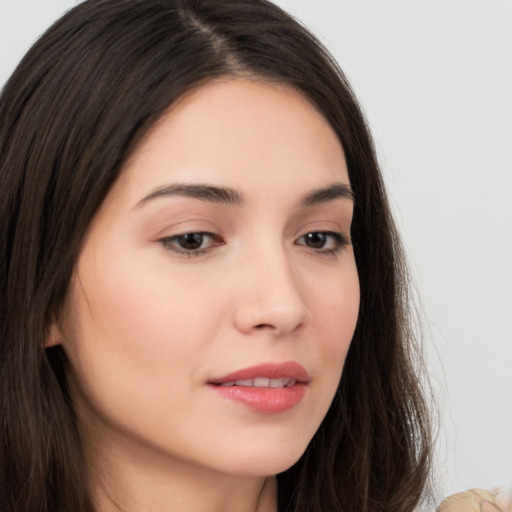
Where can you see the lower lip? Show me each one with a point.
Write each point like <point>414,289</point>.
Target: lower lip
<point>264,400</point>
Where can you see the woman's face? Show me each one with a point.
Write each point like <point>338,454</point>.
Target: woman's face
<point>216,292</point>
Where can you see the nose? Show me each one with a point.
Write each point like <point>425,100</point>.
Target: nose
<point>270,298</point>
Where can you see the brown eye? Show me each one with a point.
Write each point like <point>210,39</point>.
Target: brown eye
<point>190,241</point>
<point>315,240</point>
<point>324,241</point>
<point>191,244</point>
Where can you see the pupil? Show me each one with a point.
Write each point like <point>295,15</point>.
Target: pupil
<point>315,240</point>
<point>191,241</point>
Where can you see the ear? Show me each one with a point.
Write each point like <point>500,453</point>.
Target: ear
<point>53,335</point>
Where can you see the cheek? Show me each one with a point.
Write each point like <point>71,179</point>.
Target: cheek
<point>137,306</point>
<point>133,332</point>
<point>336,313</point>
<point>336,305</point>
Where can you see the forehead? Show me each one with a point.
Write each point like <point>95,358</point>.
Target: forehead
<point>242,133</point>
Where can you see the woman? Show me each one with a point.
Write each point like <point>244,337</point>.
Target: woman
<point>204,296</point>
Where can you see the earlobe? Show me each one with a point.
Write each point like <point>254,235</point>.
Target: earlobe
<point>53,336</point>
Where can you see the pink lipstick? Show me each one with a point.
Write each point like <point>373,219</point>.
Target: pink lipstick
<point>269,388</point>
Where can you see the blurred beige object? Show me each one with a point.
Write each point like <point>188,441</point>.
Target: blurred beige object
<point>471,501</point>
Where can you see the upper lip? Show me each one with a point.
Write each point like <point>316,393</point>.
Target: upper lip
<point>271,370</point>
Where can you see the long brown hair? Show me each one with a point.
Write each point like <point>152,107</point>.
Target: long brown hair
<point>70,116</point>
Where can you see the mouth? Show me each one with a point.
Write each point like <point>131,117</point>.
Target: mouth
<point>265,375</point>
<point>268,388</point>
<point>261,382</point>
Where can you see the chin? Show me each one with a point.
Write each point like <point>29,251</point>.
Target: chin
<point>261,463</point>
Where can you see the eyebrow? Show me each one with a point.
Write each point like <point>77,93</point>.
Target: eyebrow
<point>324,195</point>
<point>229,196</point>
<point>222,195</point>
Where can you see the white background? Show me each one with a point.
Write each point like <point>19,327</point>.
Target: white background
<point>435,80</point>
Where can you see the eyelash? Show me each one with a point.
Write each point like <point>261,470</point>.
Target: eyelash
<point>171,243</point>
<point>339,240</point>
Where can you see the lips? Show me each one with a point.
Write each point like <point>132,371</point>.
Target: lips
<point>262,382</point>
<point>287,370</point>
<point>268,388</point>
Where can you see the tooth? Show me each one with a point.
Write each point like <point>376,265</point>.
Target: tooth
<point>261,382</point>
<point>278,383</point>
<point>246,382</point>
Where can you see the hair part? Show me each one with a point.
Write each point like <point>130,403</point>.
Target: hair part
<point>70,116</point>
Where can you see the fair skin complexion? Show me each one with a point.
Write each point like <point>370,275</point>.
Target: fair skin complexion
<point>478,499</point>
<point>177,285</point>
<point>502,503</point>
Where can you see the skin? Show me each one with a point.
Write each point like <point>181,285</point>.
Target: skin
<point>147,323</point>
<point>503,504</point>
<point>478,500</point>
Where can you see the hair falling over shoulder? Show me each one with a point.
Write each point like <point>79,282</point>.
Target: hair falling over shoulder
<point>70,116</point>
